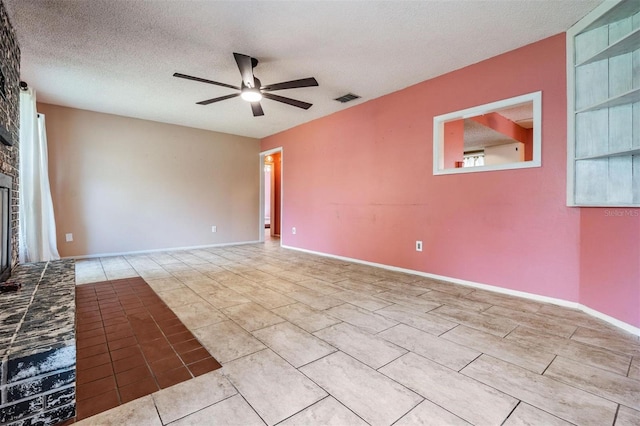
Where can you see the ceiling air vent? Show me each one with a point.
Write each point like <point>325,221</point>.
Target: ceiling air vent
<point>346,98</point>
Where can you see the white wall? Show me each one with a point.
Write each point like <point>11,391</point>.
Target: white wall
<point>121,184</point>
<point>504,154</point>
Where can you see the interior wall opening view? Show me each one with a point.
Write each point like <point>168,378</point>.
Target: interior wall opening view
<point>503,134</point>
<point>272,193</point>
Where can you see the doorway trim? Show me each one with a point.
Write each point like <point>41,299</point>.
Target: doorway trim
<point>263,154</point>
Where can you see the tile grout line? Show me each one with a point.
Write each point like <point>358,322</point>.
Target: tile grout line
<point>511,412</point>
<point>615,417</point>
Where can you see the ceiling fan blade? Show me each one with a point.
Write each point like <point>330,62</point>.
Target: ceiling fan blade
<point>202,80</point>
<point>293,84</point>
<point>221,98</point>
<point>257,109</point>
<point>246,68</point>
<point>289,101</point>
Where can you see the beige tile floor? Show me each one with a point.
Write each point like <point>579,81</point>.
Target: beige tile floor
<point>308,340</point>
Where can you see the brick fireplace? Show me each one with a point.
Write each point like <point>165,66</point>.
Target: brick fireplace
<point>10,120</point>
<point>37,322</point>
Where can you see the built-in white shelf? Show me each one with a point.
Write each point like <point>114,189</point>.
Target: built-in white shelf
<point>626,44</point>
<point>631,151</point>
<point>620,11</point>
<point>609,178</point>
<point>623,99</point>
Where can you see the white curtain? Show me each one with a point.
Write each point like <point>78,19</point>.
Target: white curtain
<point>37,224</point>
<point>473,160</point>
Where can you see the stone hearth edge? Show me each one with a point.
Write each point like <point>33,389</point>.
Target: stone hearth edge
<point>38,346</point>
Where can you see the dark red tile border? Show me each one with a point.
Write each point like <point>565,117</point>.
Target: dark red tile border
<point>122,343</point>
<point>95,388</point>
<point>92,361</point>
<point>97,404</point>
<point>128,363</point>
<point>91,351</point>
<point>194,356</point>
<point>130,344</point>
<point>94,373</point>
<point>172,377</point>
<point>165,364</point>
<point>133,375</point>
<point>204,366</point>
<point>188,346</point>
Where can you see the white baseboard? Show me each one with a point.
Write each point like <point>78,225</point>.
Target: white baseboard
<point>129,253</point>
<point>611,320</point>
<point>561,302</point>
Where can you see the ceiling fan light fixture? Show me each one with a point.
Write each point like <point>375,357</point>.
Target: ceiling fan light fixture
<point>251,95</point>
<point>251,89</point>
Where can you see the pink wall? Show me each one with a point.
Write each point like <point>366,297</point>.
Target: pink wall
<point>453,143</point>
<point>610,262</point>
<point>359,183</point>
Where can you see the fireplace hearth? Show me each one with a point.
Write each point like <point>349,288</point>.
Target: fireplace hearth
<point>38,346</point>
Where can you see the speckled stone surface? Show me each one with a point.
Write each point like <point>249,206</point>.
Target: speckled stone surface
<point>37,341</point>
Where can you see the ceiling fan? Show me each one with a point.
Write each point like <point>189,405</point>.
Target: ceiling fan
<point>251,89</point>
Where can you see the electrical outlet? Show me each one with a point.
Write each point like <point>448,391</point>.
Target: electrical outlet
<point>68,237</point>
<point>293,230</point>
<point>214,228</point>
<point>418,245</point>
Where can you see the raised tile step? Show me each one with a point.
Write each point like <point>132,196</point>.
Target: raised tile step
<point>37,345</point>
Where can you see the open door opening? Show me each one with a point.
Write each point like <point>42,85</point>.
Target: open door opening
<point>271,194</point>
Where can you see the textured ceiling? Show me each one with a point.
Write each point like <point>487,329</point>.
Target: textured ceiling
<point>478,136</point>
<point>119,56</point>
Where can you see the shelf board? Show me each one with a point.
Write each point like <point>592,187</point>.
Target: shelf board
<point>626,98</point>
<point>620,11</point>
<point>626,44</point>
<point>604,204</point>
<point>631,151</point>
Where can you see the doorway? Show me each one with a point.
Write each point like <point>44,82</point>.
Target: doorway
<point>271,194</point>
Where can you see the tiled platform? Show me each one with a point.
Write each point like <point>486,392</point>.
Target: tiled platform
<point>37,345</point>
<point>309,340</point>
<point>130,344</point>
